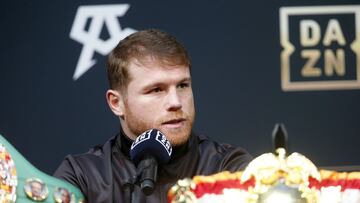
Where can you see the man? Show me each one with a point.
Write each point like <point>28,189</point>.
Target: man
<point>150,87</point>
<point>35,190</point>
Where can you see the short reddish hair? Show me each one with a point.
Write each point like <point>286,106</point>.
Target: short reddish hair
<point>139,45</point>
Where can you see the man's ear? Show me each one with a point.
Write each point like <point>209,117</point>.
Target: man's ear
<point>115,101</point>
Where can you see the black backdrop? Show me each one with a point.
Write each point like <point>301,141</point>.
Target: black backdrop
<point>235,47</point>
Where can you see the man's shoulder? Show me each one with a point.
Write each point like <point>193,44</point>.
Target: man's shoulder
<point>207,143</point>
<point>98,157</point>
<point>95,153</point>
<point>230,157</point>
<point>89,168</point>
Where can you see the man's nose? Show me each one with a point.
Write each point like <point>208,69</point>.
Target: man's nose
<point>173,102</point>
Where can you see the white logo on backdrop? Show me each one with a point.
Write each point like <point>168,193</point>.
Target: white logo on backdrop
<point>98,17</point>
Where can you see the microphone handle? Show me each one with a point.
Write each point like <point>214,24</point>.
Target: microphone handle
<point>128,190</point>
<point>148,171</point>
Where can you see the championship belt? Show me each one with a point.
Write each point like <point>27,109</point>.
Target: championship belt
<point>21,182</point>
<point>271,178</point>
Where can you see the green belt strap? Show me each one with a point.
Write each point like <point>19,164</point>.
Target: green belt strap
<point>21,182</point>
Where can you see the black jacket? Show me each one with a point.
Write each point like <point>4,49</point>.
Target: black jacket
<point>102,172</point>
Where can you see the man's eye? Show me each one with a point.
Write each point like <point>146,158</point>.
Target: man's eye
<point>183,85</point>
<point>155,90</point>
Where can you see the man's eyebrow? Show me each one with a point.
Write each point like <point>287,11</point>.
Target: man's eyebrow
<point>156,84</point>
<point>187,79</point>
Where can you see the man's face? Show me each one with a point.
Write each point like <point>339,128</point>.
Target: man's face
<point>159,96</point>
<point>36,188</point>
<point>65,196</point>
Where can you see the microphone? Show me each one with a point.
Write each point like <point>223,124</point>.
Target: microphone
<point>147,151</point>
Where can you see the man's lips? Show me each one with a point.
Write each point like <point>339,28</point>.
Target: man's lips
<point>174,121</point>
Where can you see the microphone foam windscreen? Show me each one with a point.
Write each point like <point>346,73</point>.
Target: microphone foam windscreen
<point>153,143</point>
